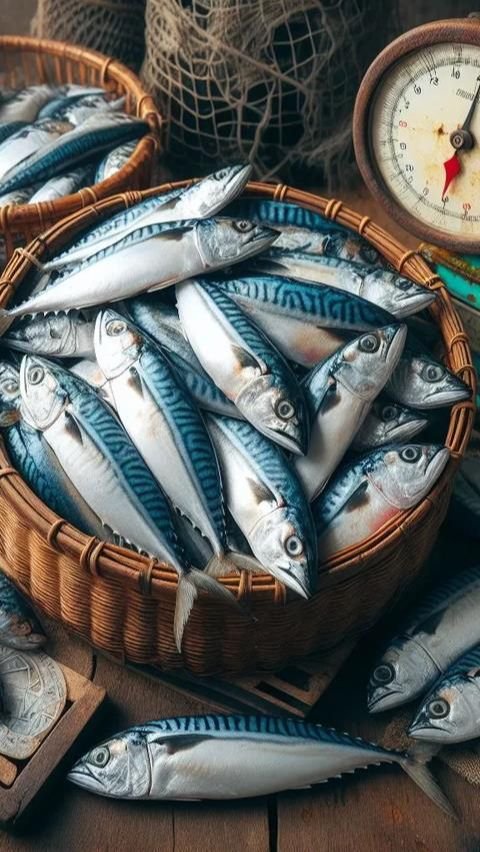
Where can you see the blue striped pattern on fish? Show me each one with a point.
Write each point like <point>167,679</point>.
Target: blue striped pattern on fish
<point>281,214</point>
<point>10,128</point>
<point>315,303</point>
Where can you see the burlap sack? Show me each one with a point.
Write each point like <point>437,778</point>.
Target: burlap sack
<point>272,81</point>
<point>114,27</point>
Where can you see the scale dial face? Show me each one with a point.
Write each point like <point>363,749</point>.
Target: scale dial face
<point>416,96</point>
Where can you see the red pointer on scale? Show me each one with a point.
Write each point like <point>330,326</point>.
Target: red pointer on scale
<point>452,169</point>
<point>461,138</point>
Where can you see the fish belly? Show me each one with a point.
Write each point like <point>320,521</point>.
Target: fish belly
<point>355,524</point>
<point>237,768</point>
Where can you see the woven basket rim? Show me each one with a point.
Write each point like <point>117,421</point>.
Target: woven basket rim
<point>112,71</point>
<point>157,578</point>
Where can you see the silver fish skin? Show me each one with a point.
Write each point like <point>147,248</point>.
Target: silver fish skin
<point>157,411</point>
<point>66,96</point>
<point>387,423</point>
<point>243,363</point>
<point>93,136</point>
<point>200,201</point>
<point>20,196</point>
<point>231,757</point>
<point>396,294</point>
<point>62,185</point>
<point>156,257</point>
<point>55,335</point>
<point>339,393</point>
<point>331,243</point>
<point>114,161</point>
<point>19,627</point>
<point>442,628</point>
<point>162,323</point>
<point>421,382</point>
<point>25,104</point>
<point>22,145</point>
<point>367,493</point>
<point>92,108</point>
<point>104,467</point>
<point>266,500</point>
<point>451,711</point>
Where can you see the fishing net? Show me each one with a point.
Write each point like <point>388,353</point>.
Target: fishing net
<point>114,27</point>
<point>272,81</point>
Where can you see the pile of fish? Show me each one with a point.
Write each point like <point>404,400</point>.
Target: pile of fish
<point>437,656</point>
<point>257,416</point>
<point>56,139</point>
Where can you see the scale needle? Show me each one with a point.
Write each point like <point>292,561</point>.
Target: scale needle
<point>452,169</point>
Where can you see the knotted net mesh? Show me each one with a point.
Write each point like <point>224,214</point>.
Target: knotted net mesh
<point>114,27</point>
<point>273,81</point>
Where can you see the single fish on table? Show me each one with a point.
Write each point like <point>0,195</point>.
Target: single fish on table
<point>162,323</point>
<point>451,711</point>
<point>396,294</point>
<point>25,104</point>
<point>66,184</point>
<point>267,502</point>
<point>387,423</point>
<point>443,627</point>
<point>55,335</point>
<point>35,461</point>
<point>372,490</point>
<point>200,201</point>
<point>339,393</point>
<point>157,411</point>
<point>421,382</point>
<point>243,363</point>
<point>114,161</point>
<point>306,322</point>
<point>145,261</point>
<point>95,135</point>
<point>106,469</point>
<point>232,757</point>
<point>18,148</point>
<point>19,627</point>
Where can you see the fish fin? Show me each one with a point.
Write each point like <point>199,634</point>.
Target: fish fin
<point>246,358</point>
<point>178,743</point>
<point>356,494</point>
<point>416,768</point>
<point>73,427</point>
<point>188,587</point>
<point>6,321</point>
<point>245,562</point>
<point>260,491</point>
<point>162,284</point>
<point>135,381</point>
<point>220,565</point>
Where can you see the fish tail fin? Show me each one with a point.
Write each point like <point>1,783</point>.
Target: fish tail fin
<point>415,765</point>
<point>188,587</point>
<point>6,320</point>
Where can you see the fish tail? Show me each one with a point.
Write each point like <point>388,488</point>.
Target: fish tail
<point>414,764</point>
<point>6,321</point>
<point>188,587</point>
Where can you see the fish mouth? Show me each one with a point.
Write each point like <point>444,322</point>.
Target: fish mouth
<point>408,430</point>
<point>438,462</point>
<point>239,176</point>
<point>421,731</point>
<point>385,701</point>
<point>81,775</point>
<point>448,396</point>
<point>408,303</point>
<point>300,586</point>
<point>297,445</point>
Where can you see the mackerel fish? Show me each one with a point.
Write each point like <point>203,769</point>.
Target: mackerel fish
<point>62,185</point>
<point>387,423</point>
<point>114,161</point>
<point>243,363</point>
<point>24,104</point>
<point>55,335</point>
<point>19,147</point>
<point>421,382</point>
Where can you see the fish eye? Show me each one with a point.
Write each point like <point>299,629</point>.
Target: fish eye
<point>99,756</point>
<point>432,372</point>
<point>369,343</point>
<point>285,409</point>
<point>35,375</point>
<point>294,545</point>
<point>410,454</point>
<point>403,284</point>
<point>383,674</point>
<point>438,708</point>
<point>243,226</point>
<point>115,327</point>
<point>10,387</point>
<point>389,412</point>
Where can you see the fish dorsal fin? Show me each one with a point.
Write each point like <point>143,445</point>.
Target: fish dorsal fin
<point>246,358</point>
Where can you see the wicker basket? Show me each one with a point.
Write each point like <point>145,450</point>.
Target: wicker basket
<point>124,603</point>
<point>31,61</point>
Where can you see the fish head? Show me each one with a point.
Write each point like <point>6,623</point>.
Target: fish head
<point>449,713</point>
<point>405,474</point>
<point>284,541</point>
<point>395,423</point>
<point>423,382</point>
<point>118,767</point>
<point>277,410</point>
<point>224,241</point>
<point>400,675</point>
<point>43,397</point>
<point>117,343</point>
<point>365,364</point>
<point>397,294</point>
<point>54,334</point>
<point>215,191</point>
<point>10,398</point>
